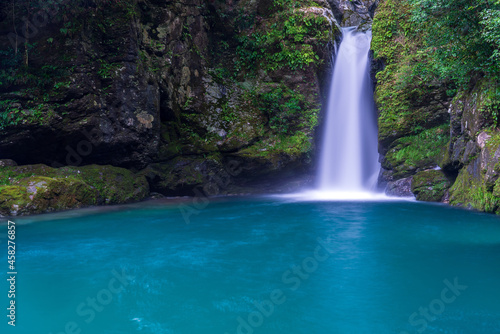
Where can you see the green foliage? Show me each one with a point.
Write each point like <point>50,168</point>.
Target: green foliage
<point>491,102</point>
<point>106,70</point>
<point>280,105</point>
<point>35,85</point>
<point>10,114</point>
<point>392,31</point>
<point>40,80</point>
<point>66,28</point>
<point>491,30</point>
<point>62,84</point>
<point>188,102</point>
<point>244,20</point>
<point>463,36</point>
<point>9,67</point>
<point>409,81</point>
<point>13,113</point>
<point>14,73</point>
<point>482,199</point>
<point>286,40</point>
<point>433,47</point>
<point>227,114</point>
<point>294,145</point>
<point>286,109</point>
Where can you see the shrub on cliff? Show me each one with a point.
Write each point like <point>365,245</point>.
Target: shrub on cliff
<point>463,36</point>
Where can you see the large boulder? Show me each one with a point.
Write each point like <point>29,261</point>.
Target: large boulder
<point>430,185</point>
<point>33,189</point>
<point>400,188</point>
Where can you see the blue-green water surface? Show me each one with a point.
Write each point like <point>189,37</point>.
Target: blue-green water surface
<point>257,265</point>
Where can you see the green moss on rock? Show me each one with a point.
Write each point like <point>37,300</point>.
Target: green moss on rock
<point>38,188</point>
<point>114,185</point>
<point>409,96</point>
<point>12,198</point>
<point>469,191</point>
<point>430,185</point>
<point>409,154</point>
<point>275,148</point>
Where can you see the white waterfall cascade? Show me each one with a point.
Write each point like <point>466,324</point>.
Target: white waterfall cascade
<point>349,164</point>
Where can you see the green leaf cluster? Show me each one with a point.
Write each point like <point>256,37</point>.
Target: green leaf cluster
<point>463,36</point>
<point>285,40</point>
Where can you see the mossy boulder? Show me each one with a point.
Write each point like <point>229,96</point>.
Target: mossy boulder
<point>33,189</point>
<point>408,155</point>
<point>38,194</point>
<point>114,185</point>
<point>279,150</point>
<point>430,185</point>
<point>470,192</point>
<point>248,172</point>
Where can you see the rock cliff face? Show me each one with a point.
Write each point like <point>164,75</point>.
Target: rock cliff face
<point>474,150</point>
<point>199,94</point>
<point>354,13</point>
<point>413,112</point>
<point>436,146</point>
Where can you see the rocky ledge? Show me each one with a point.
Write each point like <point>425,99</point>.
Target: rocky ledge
<point>33,189</point>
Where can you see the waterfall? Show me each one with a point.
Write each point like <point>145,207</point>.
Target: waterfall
<point>349,156</point>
